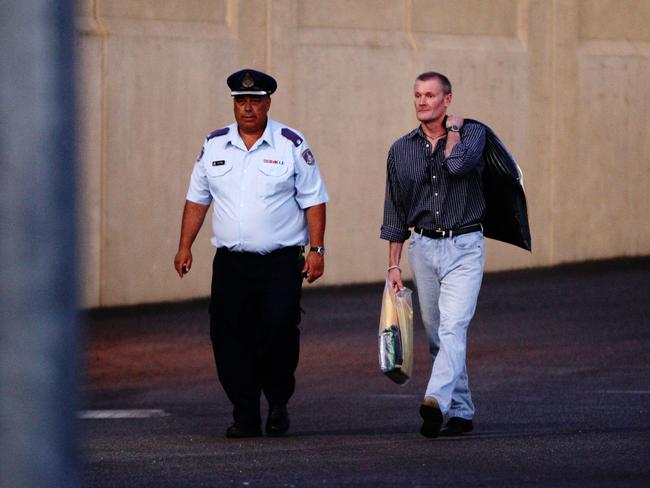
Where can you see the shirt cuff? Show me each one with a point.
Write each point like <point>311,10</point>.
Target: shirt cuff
<point>454,161</point>
<point>394,234</point>
<point>192,197</point>
<point>304,203</point>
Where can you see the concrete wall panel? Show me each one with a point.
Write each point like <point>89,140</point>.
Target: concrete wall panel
<point>357,15</point>
<point>609,180</point>
<point>174,10</point>
<point>562,82</point>
<point>615,20</point>
<point>466,17</point>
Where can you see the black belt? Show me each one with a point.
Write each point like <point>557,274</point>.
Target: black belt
<point>290,250</point>
<point>439,234</point>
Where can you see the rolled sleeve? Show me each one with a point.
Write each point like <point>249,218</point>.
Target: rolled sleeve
<point>394,234</point>
<point>394,227</point>
<point>468,153</point>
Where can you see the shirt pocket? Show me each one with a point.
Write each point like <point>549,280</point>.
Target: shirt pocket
<point>217,170</point>
<point>272,179</point>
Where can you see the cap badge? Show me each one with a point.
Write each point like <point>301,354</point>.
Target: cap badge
<point>248,81</point>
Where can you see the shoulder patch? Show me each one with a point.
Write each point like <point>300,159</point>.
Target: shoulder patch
<point>218,132</point>
<point>292,136</point>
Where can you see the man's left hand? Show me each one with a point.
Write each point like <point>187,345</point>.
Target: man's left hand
<point>314,266</point>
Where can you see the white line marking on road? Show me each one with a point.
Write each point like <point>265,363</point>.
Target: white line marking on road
<point>122,414</point>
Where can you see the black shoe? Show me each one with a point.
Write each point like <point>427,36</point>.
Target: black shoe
<point>432,416</point>
<point>237,431</point>
<point>457,426</point>
<point>277,424</point>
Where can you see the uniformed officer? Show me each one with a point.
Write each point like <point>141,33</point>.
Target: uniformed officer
<point>268,203</point>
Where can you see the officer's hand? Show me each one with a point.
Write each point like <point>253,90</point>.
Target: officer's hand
<point>314,266</point>
<point>183,261</point>
<point>395,279</point>
<point>454,120</point>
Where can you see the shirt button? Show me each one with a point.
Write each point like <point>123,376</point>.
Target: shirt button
<point>435,194</point>
<point>437,212</point>
<point>434,177</point>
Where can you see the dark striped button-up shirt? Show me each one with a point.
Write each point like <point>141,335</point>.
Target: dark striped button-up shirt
<point>424,189</point>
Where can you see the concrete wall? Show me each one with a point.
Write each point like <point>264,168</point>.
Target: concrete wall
<point>564,83</point>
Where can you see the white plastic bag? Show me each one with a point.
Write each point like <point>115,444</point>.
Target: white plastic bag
<point>396,334</point>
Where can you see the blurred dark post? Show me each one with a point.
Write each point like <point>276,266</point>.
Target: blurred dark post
<point>38,291</point>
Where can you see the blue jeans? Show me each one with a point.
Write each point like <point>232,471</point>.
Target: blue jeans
<point>448,274</point>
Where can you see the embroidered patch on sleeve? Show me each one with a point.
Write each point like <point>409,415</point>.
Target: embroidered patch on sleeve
<point>308,156</point>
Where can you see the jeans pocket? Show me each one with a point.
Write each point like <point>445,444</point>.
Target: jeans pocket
<point>468,241</point>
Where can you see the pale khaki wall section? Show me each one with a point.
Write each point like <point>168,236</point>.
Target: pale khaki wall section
<point>149,96</point>
<point>613,121</point>
<point>563,83</point>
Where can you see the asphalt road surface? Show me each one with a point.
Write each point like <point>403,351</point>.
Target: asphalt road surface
<point>559,363</point>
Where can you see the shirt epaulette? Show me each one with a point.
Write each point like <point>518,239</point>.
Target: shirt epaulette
<point>292,136</point>
<point>218,132</point>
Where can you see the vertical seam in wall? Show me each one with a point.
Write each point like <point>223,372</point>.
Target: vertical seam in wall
<point>522,22</point>
<point>231,16</point>
<point>103,34</point>
<point>269,36</point>
<point>408,16</point>
<point>553,141</point>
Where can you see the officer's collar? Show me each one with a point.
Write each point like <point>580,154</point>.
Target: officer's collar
<point>267,136</point>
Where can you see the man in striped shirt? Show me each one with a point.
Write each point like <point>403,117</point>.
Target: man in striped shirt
<point>434,185</point>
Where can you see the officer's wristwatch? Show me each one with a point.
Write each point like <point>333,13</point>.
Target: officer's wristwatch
<point>453,128</point>
<point>317,250</point>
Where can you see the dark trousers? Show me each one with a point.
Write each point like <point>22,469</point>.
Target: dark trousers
<point>254,317</point>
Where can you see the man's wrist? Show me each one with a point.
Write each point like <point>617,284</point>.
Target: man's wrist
<point>318,250</point>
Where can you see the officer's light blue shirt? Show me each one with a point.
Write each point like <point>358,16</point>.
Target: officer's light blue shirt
<point>259,194</point>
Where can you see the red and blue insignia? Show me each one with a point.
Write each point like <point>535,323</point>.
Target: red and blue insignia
<point>308,156</point>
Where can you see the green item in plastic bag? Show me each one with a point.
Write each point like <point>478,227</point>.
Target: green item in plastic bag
<point>396,334</point>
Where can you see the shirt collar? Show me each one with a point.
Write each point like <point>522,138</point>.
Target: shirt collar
<point>415,132</point>
<point>267,136</point>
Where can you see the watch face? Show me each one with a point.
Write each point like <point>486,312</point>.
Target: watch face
<point>454,128</point>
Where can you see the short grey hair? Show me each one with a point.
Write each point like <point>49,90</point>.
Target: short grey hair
<point>431,75</point>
